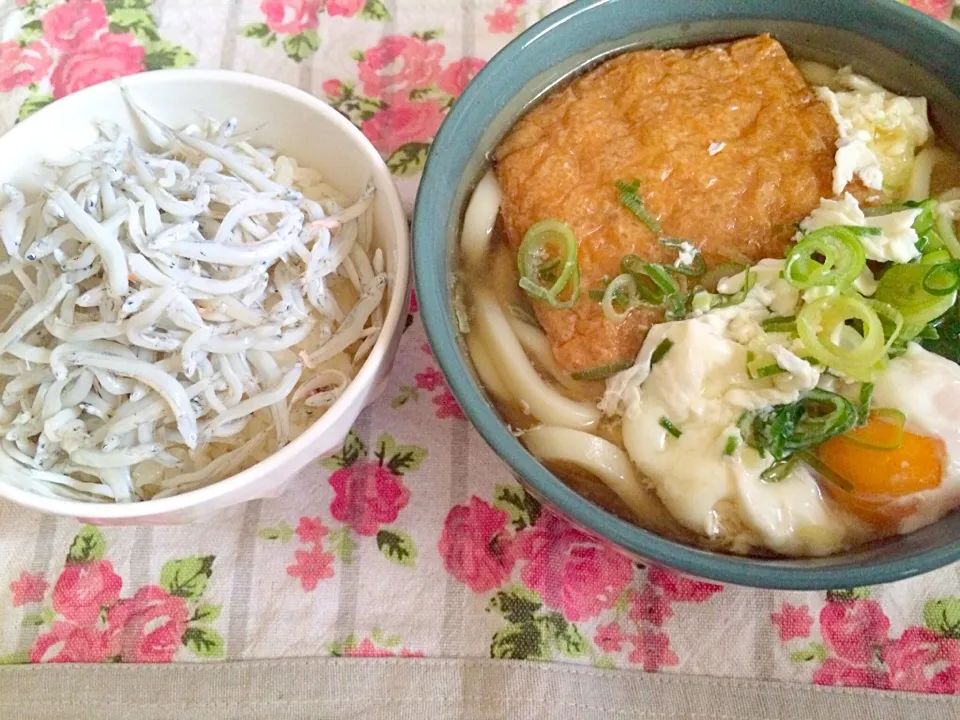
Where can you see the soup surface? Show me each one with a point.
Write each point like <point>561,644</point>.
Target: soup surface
<point>714,290</point>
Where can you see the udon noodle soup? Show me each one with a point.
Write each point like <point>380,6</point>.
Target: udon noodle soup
<point>714,290</point>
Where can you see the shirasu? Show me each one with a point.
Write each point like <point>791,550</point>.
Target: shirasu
<point>171,314</point>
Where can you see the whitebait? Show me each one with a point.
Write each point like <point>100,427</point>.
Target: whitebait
<point>172,315</point>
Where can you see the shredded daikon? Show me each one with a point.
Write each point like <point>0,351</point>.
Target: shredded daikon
<point>173,314</point>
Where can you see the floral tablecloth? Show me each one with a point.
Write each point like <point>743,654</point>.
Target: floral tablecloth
<point>414,540</point>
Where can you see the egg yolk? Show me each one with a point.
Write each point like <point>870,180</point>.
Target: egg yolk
<point>882,478</point>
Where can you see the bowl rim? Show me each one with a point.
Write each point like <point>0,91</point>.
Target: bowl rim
<point>430,219</point>
<point>358,387</point>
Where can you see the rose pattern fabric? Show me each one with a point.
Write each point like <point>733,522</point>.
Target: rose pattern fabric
<point>65,46</point>
<point>89,621</point>
<point>537,587</point>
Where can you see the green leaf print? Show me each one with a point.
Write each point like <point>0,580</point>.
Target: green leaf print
<point>401,459</point>
<point>848,594</point>
<point>521,507</point>
<point>397,547</point>
<point>516,604</point>
<point>943,616</point>
<point>89,545</point>
<point>339,649</point>
<point>187,577</point>
<point>206,614</point>
<point>282,531</point>
<point>357,55</point>
<point>562,635</point>
<point>408,159</point>
<point>30,31</point>
<point>518,641</point>
<point>137,20</point>
<point>605,662</point>
<point>204,642</point>
<point>21,657</point>
<point>162,55</point>
<point>341,543</point>
<point>353,450</point>
<point>32,104</point>
<point>302,45</point>
<point>813,652</point>
<point>255,30</point>
<point>375,10</point>
<point>428,35</point>
<point>406,394</point>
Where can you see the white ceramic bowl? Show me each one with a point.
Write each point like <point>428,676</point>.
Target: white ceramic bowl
<point>298,125</point>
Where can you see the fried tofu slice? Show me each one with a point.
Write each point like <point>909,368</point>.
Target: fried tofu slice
<point>731,147</point>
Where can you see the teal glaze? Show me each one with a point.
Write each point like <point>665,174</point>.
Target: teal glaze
<point>893,44</point>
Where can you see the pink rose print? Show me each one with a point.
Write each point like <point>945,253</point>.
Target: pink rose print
<point>84,589</point>
<point>458,75</point>
<point>677,587</point>
<point>66,642</point>
<point>311,530</point>
<point>28,588</point>
<point>572,571</point>
<point>20,66</point>
<point>346,8</point>
<point>835,671</point>
<point>73,24</point>
<point>609,637</point>
<point>922,661</point>
<point>403,122</point>
<point>939,9</point>
<point>650,606</point>
<point>290,16</point>
<point>447,406</point>
<point>332,88</point>
<point>109,56</point>
<point>399,64</point>
<point>501,20</point>
<point>652,650</point>
<point>368,495</point>
<point>430,379</point>
<point>311,567</point>
<point>792,622</point>
<point>368,649</point>
<point>476,547</point>
<point>854,629</point>
<point>148,627</point>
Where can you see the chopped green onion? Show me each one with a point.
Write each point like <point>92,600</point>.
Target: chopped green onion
<point>948,235</point>
<point>662,349</point>
<point>602,372</point>
<point>622,291</point>
<point>546,242</point>
<point>843,259</point>
<point>861,230</point>
<point>817,416</point>
<point>935,257</point>
<point>731,446</point>
<point>890,318</point>
<point>780,324</point>
<point>739,296</point>
<point>595,294</point>
<point>824,471</point>
<point>631,200</point>
<point>670,427</point>
<point>902,286</point>
<point>696,268</point>
<point>823,327</point>
<point>942,278</point>
<point>863,407</point>
<point>890,416</point>
<point>778,471</point>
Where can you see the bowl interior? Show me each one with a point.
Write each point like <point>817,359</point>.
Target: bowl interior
<point>895,46</point>
<point>285,118</point>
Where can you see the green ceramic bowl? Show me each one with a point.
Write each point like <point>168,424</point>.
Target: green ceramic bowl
<point>904,50</point>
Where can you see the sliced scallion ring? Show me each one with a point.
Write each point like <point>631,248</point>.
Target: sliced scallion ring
<point>621,291</point>
<point>780,324</point>
<point>942,278</point>
<point>884,434</point>
<point>902,286</point>
<point>843,258</point>
<point>823,329</point>
<point>695,268</point>
<point>548,254</point>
